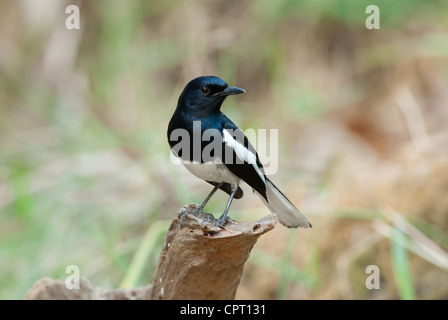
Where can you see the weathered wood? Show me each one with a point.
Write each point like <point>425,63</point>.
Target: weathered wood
<point>51,289</point>
<point>198,261</point>
<point>202,261</point>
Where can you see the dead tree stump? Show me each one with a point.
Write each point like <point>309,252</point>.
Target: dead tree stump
<point>198,261</point>
<point>202,261</point>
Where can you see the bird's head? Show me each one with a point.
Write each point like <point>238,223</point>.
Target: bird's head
<point>205,95</point>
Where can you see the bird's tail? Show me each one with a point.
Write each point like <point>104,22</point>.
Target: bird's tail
<point>287,213</point>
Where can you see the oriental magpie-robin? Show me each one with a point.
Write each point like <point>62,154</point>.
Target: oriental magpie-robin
<point>214,149</point>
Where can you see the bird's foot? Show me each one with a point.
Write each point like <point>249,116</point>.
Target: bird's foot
<point>189,209</point>
<point>220,222</point>
<point>209,218</point>
<point>194,209</point>
<point>197,211</point>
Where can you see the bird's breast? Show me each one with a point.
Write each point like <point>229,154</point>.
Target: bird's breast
<point>214,171</point>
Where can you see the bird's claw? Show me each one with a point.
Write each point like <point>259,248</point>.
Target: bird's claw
<point>220,222</point>
<point>208,217</point>
<point>181,215</point>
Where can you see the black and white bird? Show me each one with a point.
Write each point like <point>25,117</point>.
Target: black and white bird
<point>198,125</point>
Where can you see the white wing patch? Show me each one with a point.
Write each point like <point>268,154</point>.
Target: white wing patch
<point>242,152</point>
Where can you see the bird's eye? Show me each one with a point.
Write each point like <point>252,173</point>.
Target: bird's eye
<point>204,90</point>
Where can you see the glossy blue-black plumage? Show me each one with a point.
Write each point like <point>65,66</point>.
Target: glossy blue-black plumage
<point>194,105</point>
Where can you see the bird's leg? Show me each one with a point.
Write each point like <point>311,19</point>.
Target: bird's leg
<point>199,209</point>
<point>223,218</point>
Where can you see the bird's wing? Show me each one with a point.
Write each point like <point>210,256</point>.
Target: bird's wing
<point>241,159</point>
<point>251,171</point>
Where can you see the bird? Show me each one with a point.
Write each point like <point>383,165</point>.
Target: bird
<point>198,125</point>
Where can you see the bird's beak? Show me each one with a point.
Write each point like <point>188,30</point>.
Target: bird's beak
<point>230,91</point>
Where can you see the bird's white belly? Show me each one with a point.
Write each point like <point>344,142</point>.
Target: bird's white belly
<point>212,171</point>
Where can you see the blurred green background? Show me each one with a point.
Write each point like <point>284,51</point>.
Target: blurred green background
<point>85,176</point>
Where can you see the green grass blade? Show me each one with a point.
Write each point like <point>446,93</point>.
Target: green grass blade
<point>401,265</point>
<point>149,246</point>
